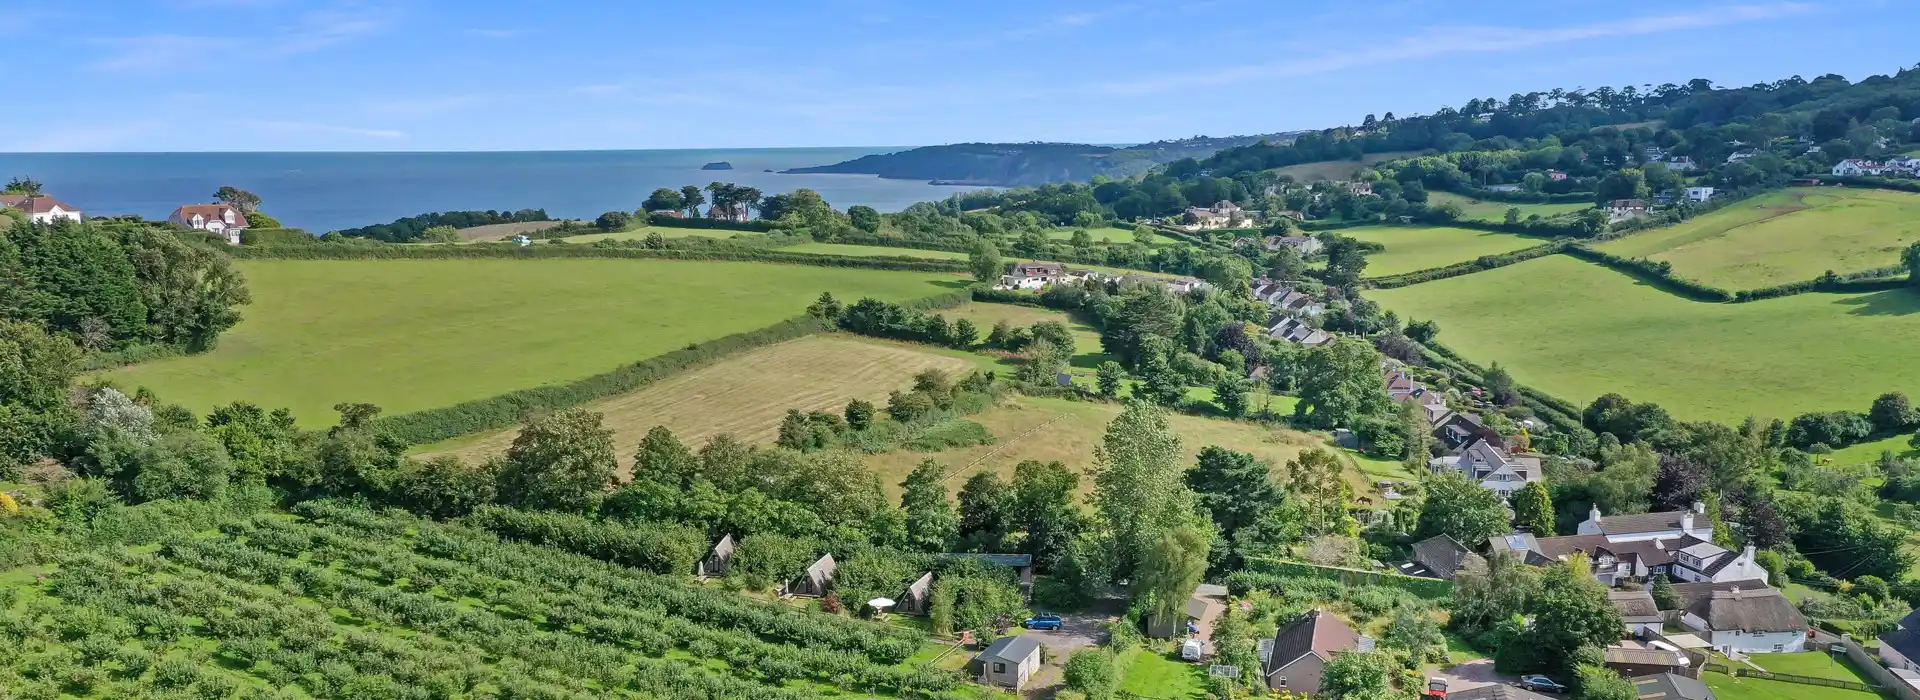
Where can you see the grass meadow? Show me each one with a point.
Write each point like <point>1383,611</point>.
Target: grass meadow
<point>1788,236</point>
<point>747,394</point>
<point>1415,248</point>
<point>1489,210</point>
<point>873,251</point>
<point>641,233</point>
<point>414,334</point>
<point>1579,330</point>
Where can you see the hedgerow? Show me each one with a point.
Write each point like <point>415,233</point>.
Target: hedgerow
<point>1262,569</point>
<point>661,549</point>
<point>564,251</point>
<point>668,220</point>
<point>1480,264</point>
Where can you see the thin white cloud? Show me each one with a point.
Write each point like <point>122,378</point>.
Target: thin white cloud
<point>1462,40</point>
<point>313,128</point>
<point>309,32</point>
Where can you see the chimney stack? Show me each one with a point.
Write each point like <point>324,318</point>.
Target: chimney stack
<point>1686,523</point>
<point>1593,513</point>
<point>1700,507</point>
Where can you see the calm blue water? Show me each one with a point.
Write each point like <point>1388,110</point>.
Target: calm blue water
<point>329,191</point>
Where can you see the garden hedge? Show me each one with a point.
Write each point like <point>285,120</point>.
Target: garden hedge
<point>1429,588</point>
<point>1656,274</point>
<point>1523,197</point>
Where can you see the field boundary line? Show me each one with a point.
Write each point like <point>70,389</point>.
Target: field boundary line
<point>1002,446</point>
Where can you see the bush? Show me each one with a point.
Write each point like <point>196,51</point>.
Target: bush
<point>1091,672</point>
<point>276,236</point>
<point>1431,589</point>
<point>659,548</point>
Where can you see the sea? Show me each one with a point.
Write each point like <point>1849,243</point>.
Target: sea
<point>323,192</point>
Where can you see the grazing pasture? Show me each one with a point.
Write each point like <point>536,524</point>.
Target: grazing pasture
<point>1787,236</point>
<point>1578,330</point>
<point>641,233</point>
<point>415,334</point>
<point>747,394</point>
<point>1415,248</point>
<point>1489,210</point>
<point>495,232</point>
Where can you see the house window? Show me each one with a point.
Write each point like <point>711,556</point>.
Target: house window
<point>1279,681</point>
<point>1777,648</point>
<point>999,667</point>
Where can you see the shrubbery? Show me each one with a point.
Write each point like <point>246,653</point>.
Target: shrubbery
<point>410,228</point>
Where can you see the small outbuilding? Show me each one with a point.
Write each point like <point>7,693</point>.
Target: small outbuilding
<point>716,561</point>
<point>1669,686</point>
<point>818,578</point>
<point>917,597</point>
<point>1008,662</point>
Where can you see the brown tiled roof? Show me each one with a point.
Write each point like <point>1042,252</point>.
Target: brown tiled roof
<point>1640,657</point>
<point>1318,632</point>
<point>34,203</point>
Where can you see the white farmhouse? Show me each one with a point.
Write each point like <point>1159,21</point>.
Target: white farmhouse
<point>41,209</point>
<point>1699,194</point>
<point>218,219</point>
<point>1742,616</point>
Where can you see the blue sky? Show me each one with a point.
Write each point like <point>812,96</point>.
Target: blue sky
<point>194,75</point>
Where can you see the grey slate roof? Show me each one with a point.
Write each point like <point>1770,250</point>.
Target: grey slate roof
<point>1442,555</point>
<point>1640,522</point>
<point>1905,640</point>
<point>1497,691</point>
<point>1011,650</point>
<point>1668,686</point>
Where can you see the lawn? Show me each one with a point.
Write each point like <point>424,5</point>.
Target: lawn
<point>1087,354</point>
<point>1818,664</point>
<point>1157,674</point>
<point>1578,330</point>
<point>1046,429</point>
<point>1727,687</point>
<point>747,394</point>
<point>1869,452</point>
<point>414,334</point>
<point>1489,210</point>
<point>1787,236</point>
<point>872,251</point>
<point>1415,248</point>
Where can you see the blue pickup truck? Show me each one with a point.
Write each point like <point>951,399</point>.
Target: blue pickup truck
<point>1042,621</point>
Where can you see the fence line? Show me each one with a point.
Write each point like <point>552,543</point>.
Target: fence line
<point>1888,683</point>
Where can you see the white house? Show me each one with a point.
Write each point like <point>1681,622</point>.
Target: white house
<point>217,219</point>
<point>1033,275</point>
<point>1298,332</point>
<point>1856,166</point>
<point>1699,194</point>
<point>1649,526</point>
<point>1900,648</point>
<point>40,208</point>
<point>1743,616</point>
<point>1495,468</point>
<point>1682,164</point>
<point>1678,545</point>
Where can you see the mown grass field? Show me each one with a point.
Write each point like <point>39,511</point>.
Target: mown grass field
<point>1727,687</point>
<point>873,251</point>
<point>1868,452</point>
<point>1334,169</point>
<point>747,394</point>
<point>1107,234</point>
<point>414,334</point>
<point>1818,664</point>
<point>1046,429</point>
<point>1415,248</point>
<point>1579,330</point>
<point>1489,210</point>
<point>1787,236</point>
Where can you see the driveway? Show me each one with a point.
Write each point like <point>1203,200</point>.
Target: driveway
<point>1078,630</point>
<point>1472,674</point>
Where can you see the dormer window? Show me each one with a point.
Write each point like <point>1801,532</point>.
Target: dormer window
<point>227,214</point>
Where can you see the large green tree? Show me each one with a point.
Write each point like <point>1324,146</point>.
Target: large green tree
<point>983,260</point>
<point>1341,385</point>
<point>564,461</point>
<point>1138,487</point>
<point>663,459</point>
<point>1461,508</point>
<point>1571,611</point>
<point>1489,591</point>
<point>664,199</point>
<point>1044,508</point>
<point>931,521</point>
<point>1317,485</point>
<point>1169,571</point>
<point>1233,487</point>
<point>1533,509</point>
<point>1911,258</point>
<point>1358,676</point>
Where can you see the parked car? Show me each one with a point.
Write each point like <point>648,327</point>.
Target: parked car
<point>1541,684</point>
<point>1042,621</point>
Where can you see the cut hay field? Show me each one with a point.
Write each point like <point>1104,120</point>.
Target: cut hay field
<point>414,334</point>
<point>494,232</point>
<point>1787,236</point>
<point>1045,429</point>
<point>747,394</point>
<point>1415,248</point>
<point>873,251</point>
<point>1338,169</point>
<point>1578,330</point>
<point>1489,210</point>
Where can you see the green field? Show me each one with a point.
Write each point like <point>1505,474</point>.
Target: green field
<point>1107,234</point>
<point>1489,210</point>
<point>1415,248</point>
<point>1579,330</point>
<point>1787,236</point>
<point>1154,673</point>
<point>873,251</point>
<point>1818,664</point>
<point>1868,452</point>
<point>414,334</point>
<point>641,233</point>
